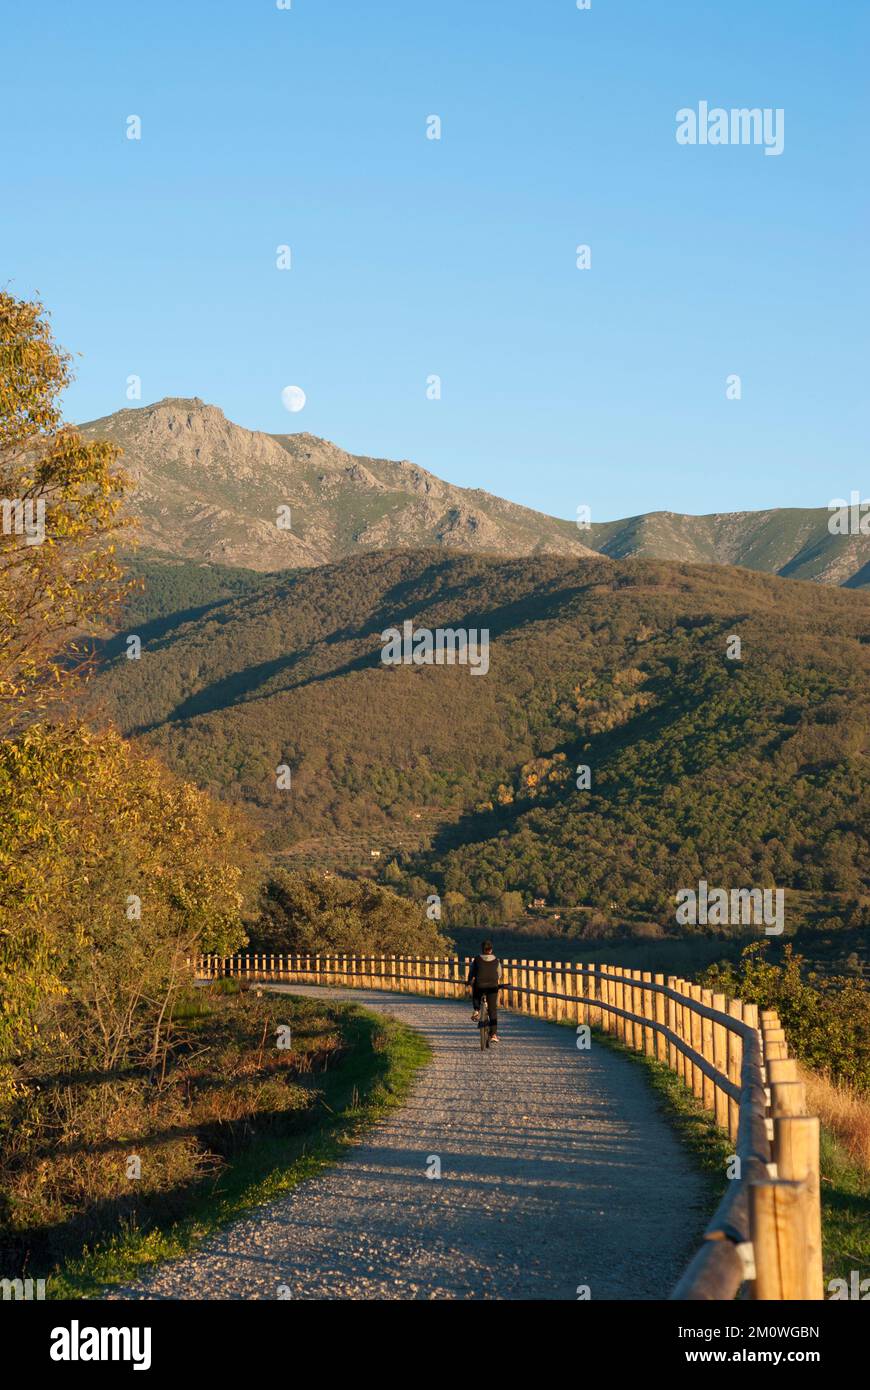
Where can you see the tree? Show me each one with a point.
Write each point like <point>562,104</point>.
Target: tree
<point>316,912</point>
<point>112,873</point>
<point>60,499</point>
<point>511,907</point>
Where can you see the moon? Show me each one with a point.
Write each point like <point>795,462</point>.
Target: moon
<point>293,398</point>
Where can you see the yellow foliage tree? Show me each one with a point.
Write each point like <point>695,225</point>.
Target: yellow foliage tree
<point>60,507</point>
<point>111,873</point>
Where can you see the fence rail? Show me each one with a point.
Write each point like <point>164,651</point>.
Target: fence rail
<point>766,1231</point>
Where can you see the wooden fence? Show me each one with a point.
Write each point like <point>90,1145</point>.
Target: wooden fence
<point>766,1231</point>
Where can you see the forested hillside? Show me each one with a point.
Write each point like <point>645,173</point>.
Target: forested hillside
<point>741,771</point>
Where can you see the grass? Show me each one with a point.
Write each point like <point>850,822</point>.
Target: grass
<point>845,1112</point>
<point>845,1171</point>
<point>370,1072</point>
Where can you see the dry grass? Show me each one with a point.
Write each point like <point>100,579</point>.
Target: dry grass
<point>842,1110</point>
<point>64,1177</point>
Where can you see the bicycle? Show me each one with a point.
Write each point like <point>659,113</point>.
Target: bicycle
<point>484,1025</point>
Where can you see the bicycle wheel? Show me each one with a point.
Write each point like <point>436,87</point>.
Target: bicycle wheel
<point>483,1025</point>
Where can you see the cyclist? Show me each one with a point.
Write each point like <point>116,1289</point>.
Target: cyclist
<point>484,977</point>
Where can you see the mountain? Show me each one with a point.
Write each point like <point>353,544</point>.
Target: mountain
<point>741,771</point>
<point>207,489</point>
<point>792,542</point>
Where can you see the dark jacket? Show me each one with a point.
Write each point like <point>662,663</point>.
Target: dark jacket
<point>485,972</point>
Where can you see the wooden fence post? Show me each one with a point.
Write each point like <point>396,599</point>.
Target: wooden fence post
<point>707,1086</point>
<point>649,1037</point>
<point>780,1071</point>
<point>672,1025</point>
<point>660,1015</point>
<point>557,1011</point>
<point>635,1004</point>
<point>688,1034</point>
<point>677,1024</point>
<point>697,1043</point>
<point>735,1066</point>
<point>628,1005</point>
<point>592,985</point>
<point>720,1062</point>
<point>619,988</point>
<point>585,1015</point>
<point>796,1154</point>
<point>643,1001</point>
<point>778,1225</point>
<point>574,987</point>
<point>788,1098</point>
<point>635,1032</point>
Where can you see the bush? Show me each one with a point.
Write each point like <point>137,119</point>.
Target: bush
<point>317,912</point>
<point>826,1019</point>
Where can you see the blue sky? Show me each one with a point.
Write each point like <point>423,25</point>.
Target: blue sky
<point>413,257</point>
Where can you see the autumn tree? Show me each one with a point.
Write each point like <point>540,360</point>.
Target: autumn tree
<point>112,873</point>
<point>60,510</point>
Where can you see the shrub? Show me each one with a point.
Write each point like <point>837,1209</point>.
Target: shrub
<point>826,1018</point>
<point>318,912</point>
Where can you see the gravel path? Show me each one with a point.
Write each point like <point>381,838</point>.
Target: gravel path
<point>557,1170</point>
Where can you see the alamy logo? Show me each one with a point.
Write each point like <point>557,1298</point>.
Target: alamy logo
<point>22,1290</point>
<point>850,518</point>
<point>741,125</point>
<point>445,646</point>
<point>717,907</point>
<point>23,517</point>
<point>856,1288</point>
<point>77,1343</point>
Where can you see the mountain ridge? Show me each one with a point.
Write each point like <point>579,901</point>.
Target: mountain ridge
<point>206,488</point>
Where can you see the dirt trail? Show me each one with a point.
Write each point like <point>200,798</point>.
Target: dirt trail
<point>557,1170</point>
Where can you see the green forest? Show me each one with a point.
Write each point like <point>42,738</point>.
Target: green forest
<point>743,772</point>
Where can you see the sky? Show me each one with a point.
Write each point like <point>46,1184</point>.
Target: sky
<point>413,258</point>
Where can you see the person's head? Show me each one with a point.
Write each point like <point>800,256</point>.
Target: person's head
<point>486,947</point>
